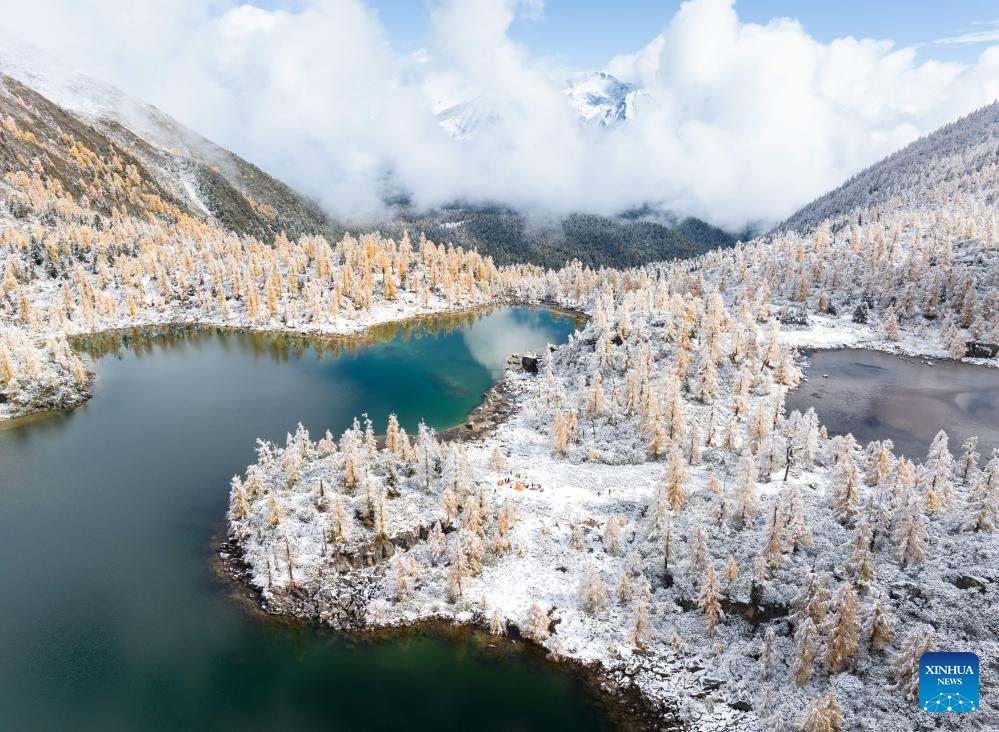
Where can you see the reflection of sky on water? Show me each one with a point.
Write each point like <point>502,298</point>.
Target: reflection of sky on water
<point>493,339</point>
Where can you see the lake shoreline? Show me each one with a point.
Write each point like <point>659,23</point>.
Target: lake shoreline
<point>627,705</point>
<point>72,397</point>
<point>176,413</point>
<point>828,333</point>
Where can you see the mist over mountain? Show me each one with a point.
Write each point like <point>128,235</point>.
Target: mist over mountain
<point>201,176</point>
<point>208,181</point>
<point>595,98</point>
<point>733,123</point>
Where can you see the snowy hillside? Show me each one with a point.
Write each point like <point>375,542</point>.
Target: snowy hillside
<point>958,160</point>
<point>208,179</point>
<point>649,505</point>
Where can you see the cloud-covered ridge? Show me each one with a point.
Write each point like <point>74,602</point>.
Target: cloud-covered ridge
<point>736,123</point>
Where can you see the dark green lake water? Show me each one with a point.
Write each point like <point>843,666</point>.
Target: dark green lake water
<point>110,615</point>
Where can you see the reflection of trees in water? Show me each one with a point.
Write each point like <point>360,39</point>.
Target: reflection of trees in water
<point>281,347</point>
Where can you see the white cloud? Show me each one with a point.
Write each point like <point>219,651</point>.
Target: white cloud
<point>989,36</point>
<point>742,123</point>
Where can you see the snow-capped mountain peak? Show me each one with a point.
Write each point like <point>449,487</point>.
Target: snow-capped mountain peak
<point>601,98</point>
<point>595,98</point>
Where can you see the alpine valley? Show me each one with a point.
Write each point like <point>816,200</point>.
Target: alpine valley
<point>631,498</point>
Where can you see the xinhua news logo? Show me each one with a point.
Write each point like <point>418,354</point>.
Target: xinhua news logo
<point>948,682</point>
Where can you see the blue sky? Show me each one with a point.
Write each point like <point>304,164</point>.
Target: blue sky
<point>586,34</point>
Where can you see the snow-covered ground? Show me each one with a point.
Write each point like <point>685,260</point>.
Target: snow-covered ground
<point>585,529</point>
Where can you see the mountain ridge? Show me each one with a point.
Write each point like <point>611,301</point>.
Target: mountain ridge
<point>933,165</point>
<point>202,175</point>
<point>205,180</point>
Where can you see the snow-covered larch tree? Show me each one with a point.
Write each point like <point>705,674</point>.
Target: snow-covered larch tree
<point>968,463</point>
<point>275,511</point>
<point>427,452</point>
<point>538,624</point>
<point>773,547</point>
<point>405,575</point>
<point>709,600</point>
<point>436,542</point>
<point>591,593</point>
<point>698,551</point>
<point>560,433</point>
<point>841,630</point>
<point>905,661</point>
<point>860,564</point>
<point>642,631</point>
<point>938,471</point>
<point>458,571</point>
<point>911,536</point>
<point>339,523</point>
<point>797,533</point>
<point>984,499</point>
<point>392,435</point>
<point>767,652</point>
<point>596,403</point>
<point>880,626</point>
<point>745,499</point>
<point>612,535</point>
<point>497,626</point>
<point>822,715</point>
<point>674,480</point>
<point>806,648</point>
<point>846,486</point>
<point>730,573</point>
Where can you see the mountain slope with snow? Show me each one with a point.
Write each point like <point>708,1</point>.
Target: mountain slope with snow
<point>205,178</point>
<point>596,241</point>
<point>959,160</point>
<point>468,119</point>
